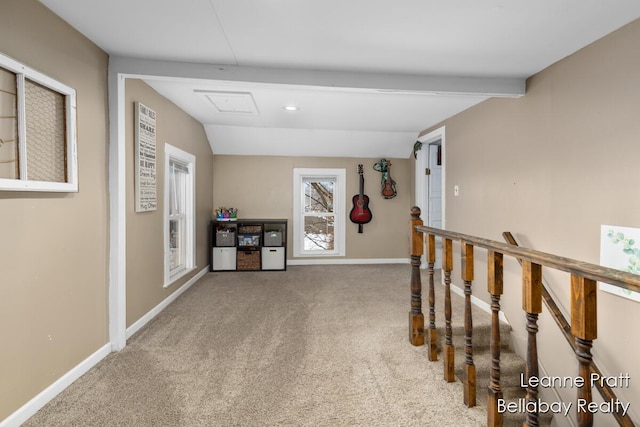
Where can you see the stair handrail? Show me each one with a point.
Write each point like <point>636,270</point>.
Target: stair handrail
<point>599,273</point>
<point>605,390</point>
<point>583,296</point>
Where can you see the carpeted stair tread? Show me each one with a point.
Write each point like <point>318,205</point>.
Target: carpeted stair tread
<point>511,365</point>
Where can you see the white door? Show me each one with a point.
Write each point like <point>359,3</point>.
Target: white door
<point>434,194</point>
<point>430,180</point>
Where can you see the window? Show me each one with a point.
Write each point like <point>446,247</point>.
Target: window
<point>37,131</point>
<point>319,212</point>
<point>179,198</point>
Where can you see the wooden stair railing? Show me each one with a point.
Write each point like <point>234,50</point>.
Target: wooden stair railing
<point>605,390</point>
<point>583,297</point>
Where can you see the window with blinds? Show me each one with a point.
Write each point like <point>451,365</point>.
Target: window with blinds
<point>319,212</point>
<point>179,213</point>
<point>178,178</point>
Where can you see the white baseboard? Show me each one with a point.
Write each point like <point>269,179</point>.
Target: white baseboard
<point>34,405</point>
<point>158,308</point>
<point>329,261</point>
<point>479,303</point>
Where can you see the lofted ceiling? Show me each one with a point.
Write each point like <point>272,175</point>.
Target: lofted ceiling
<point>367,76</point>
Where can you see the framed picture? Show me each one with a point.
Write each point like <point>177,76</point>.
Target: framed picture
<point>620,249</point>
<point>145,159</point>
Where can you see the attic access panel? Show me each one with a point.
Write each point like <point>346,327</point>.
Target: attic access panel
<point>230,102</point>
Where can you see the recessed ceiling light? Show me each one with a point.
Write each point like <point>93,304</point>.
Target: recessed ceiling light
<point>291,108</point>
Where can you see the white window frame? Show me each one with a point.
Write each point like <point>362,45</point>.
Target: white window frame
<point>23,183</point>
<point>173,153</point>
<point>299,175</point>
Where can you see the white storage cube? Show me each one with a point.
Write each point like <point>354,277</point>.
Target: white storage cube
<point>273,258</point>
<point>224,259</point>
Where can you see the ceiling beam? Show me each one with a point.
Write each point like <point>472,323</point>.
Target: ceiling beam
<point>376,82</point>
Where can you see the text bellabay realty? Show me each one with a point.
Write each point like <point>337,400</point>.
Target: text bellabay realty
<point>582,405</point>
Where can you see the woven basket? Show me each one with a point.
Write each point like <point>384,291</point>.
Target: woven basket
<point>248,260</point>
<point>249,229</point>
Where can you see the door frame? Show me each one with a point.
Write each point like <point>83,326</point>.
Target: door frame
<point>421,196</point>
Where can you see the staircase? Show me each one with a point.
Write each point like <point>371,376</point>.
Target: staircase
<point>511,365</point>
<point>579,328</point>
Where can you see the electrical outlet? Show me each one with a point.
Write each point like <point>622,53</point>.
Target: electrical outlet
<point>456,190</point>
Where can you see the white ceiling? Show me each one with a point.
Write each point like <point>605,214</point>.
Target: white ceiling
<point>367,75</point>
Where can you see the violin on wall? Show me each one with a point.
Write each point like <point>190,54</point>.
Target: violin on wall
<point>360,213</point>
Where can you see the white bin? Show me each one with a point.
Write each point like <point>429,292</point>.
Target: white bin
<point>224,259</point>
<point>273,258</point>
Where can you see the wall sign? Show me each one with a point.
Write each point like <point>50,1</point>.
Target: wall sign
<point>145,169</point>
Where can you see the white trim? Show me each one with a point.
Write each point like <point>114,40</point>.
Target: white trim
<point>23,72</point>
<point>339,210</point>
<point>117,212</point>
<point>171,152</point>
<point>422,162</point>
<point>479,303</point>
<point>47,395</point>
<point>348,261</point>
<point>165,303</point>
<point>27,410</point>
<point>509,87</point>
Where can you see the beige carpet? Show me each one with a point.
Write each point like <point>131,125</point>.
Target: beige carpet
<point>312,346</point>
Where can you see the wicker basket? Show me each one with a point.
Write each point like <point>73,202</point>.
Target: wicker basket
<point>250,229</point>
<point>248,260</point>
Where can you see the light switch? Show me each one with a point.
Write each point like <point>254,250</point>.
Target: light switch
<point>456,190</point>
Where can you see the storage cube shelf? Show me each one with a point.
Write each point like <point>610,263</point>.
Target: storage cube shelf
<point>248,245</point>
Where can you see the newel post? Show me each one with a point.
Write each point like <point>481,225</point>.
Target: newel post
<point>416,318</point>
<point>584,326</point>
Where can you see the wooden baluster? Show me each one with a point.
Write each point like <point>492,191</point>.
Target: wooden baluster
<point>469,372</point>
<point>416,318</point>
<point>584,326</point>
<point>495,288</point>
<point>532,304</point>
<point>432,333</point>
<point>448,349</point>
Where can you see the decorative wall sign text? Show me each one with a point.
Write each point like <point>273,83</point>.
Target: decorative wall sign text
<point>145,161</point>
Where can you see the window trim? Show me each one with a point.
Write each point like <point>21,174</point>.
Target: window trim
<point>171,152</point>
<point>339,210</point>
<point>23,183</point>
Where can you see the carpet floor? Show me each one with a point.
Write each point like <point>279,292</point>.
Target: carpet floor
<point>311,346</point>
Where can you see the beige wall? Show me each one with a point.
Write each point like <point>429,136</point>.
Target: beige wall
<point>145,235</point>
<point>53,256</point>
<point>552,167</point>
<point>262,187</point>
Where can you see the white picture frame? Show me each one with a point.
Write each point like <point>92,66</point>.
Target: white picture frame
<point>620,249</point>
